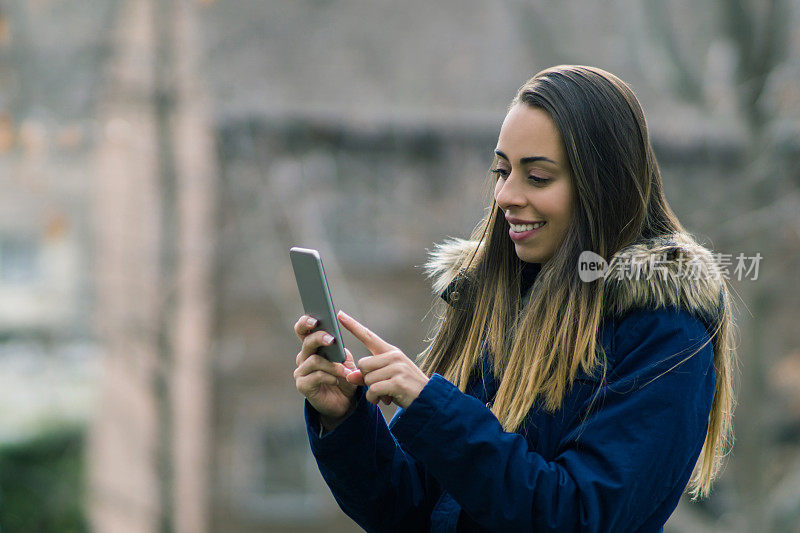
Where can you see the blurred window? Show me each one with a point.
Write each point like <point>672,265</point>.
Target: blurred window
<point>19,261</point>
<point>287,486</point>
<point>283,469</point>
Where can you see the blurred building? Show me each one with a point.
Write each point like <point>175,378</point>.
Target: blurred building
<point>226,134</point>
<point>47,352</point>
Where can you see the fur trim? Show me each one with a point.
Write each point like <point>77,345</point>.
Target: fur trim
<point>446,260</point>
<point>669,271</point>
<point>666,271</point>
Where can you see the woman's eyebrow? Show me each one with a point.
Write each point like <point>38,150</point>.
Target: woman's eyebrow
<point>528,159</point>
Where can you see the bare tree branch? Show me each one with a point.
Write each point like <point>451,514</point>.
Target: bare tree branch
<point>535,27</point>
<point>783,503</point>
<point>760,52</point>
<point>687,83</point>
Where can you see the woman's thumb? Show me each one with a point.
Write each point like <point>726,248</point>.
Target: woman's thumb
<point>355,377</point>
<point>348,362</point>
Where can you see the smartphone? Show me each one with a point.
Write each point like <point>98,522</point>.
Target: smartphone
<point>316,298</point>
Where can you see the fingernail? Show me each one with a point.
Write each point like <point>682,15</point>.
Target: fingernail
<point>342,313</point>
<point>311,322</point>
<point>327,339</point>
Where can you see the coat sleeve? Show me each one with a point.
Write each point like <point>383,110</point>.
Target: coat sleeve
<point>627,451</point>
<point>373,480</point>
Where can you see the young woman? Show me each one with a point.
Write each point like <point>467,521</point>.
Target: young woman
<point>544,402</point>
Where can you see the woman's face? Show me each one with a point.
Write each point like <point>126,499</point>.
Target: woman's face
<point>533,182</point>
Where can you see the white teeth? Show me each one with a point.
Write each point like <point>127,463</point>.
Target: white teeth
<point>519,228</point>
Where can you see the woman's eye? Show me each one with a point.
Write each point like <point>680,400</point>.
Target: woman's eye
<point>499,173</point>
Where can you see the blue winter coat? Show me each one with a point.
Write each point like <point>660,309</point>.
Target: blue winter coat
<point>615,457</point>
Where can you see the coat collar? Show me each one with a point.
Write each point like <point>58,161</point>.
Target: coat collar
<point>664,271</point>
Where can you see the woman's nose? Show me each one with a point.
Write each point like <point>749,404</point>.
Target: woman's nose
<point>507,194</point>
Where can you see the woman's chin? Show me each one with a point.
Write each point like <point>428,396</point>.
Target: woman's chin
<point>530,256</point>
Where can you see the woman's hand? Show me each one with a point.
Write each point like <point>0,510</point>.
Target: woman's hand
<point>321,381</point>
<point>388,372</point>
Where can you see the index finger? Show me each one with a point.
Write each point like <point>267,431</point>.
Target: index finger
<point>374,344</point>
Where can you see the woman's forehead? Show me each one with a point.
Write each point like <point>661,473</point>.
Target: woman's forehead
<point>529,132</point>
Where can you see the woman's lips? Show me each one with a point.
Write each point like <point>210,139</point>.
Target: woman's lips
<point>522,235</point>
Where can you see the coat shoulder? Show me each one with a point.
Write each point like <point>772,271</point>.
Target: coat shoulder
<point>647,344</point>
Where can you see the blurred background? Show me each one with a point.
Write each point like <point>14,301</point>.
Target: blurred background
<point>159,157</point>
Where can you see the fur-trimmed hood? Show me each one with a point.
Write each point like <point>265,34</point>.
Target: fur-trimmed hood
<point>665,271</point>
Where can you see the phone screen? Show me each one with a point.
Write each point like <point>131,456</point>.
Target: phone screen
<point>316,298</point>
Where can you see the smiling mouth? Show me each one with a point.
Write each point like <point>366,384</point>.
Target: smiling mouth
<point>519,228</point>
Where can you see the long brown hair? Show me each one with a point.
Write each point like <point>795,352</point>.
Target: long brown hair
<point>539,348</point>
